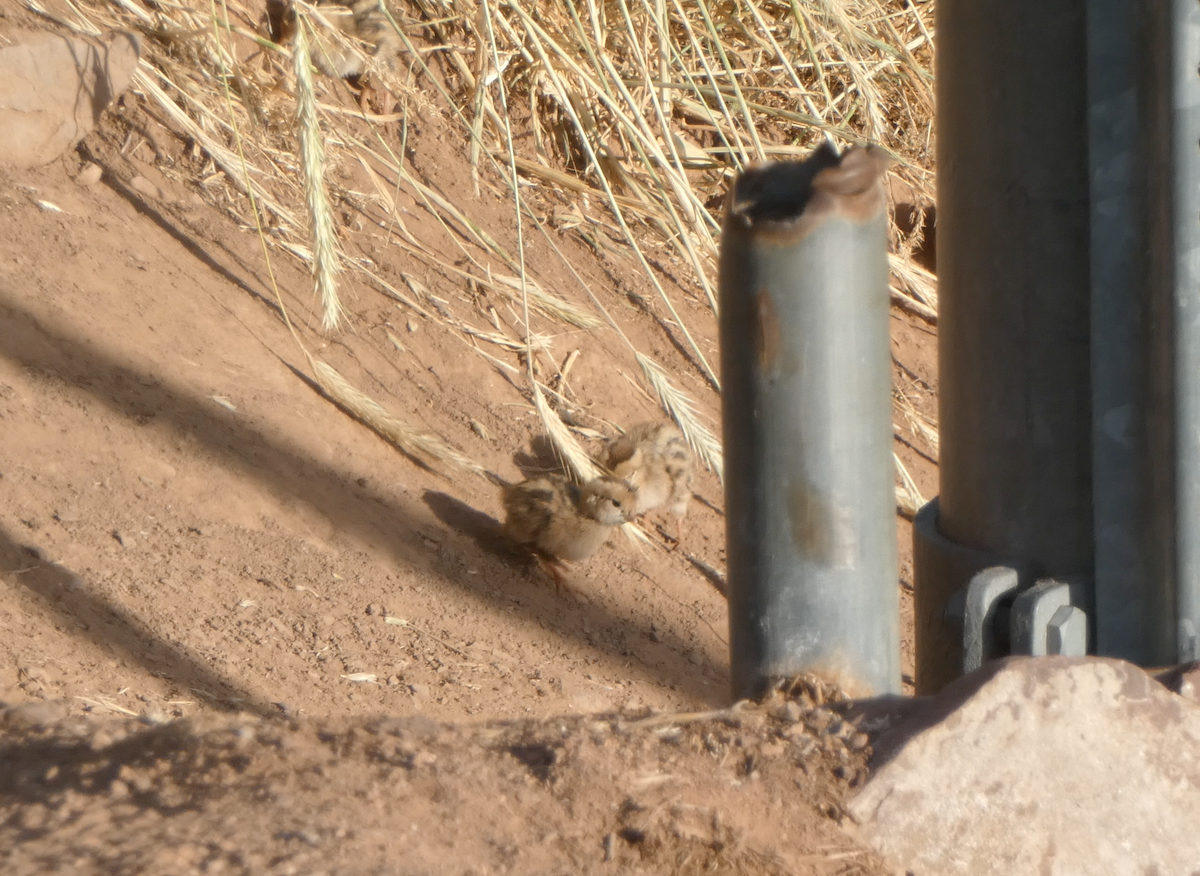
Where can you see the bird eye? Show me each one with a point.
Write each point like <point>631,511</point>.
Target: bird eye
<point>616,503</point>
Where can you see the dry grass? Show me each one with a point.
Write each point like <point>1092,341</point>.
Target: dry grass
<point>417,442</point>
<point>638,113</point>
<point>326,264</point>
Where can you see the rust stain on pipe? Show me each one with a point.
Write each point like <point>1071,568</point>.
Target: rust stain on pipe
<point>768,336</point>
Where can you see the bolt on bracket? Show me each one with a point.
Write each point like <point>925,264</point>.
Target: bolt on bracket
<point>1047,619</point>
<point>995,617</point>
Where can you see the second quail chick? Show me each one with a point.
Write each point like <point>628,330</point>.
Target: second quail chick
<point>561,521</point>
<point>654,459</point>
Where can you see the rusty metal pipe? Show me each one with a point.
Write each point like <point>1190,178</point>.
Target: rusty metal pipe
<point>806,370</point>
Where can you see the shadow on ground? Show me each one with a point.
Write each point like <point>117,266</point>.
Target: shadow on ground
<point>77,362</point>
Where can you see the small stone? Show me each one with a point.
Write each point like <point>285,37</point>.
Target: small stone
<point>858,742</point>
<point>393,680</point>
<point>1183,679</point>
<point>819,720</point>
<point>154,716</point>
<point>373,610</point>
<point>420,691</point>
<point>118,789</point>
<point>90,174</point>
<point>771,749</point>
<point>1189,685</point>
<point>144,187</point>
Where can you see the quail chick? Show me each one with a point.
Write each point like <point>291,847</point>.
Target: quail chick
<point>561,521</point>
<point>654,459</point>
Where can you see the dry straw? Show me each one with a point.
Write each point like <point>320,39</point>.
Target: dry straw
<point>639,113</point>
<point>417,442</point>
<point>325,262</point>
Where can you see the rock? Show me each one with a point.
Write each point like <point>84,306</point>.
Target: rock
<point>1054,765</point>
<point>145,188</point>
<point>789,712</point>
<point>53,90</point>
<point>819,720</point>
<point>1183,679</point>
<point>89,174</point>
<point>33,715</point>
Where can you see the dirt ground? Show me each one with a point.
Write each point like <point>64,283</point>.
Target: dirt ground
<point>748,790</point>
<point>214,583</point>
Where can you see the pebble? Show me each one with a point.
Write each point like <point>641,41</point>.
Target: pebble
<point>771,749</point>
<point>143,186</point>
<point>820,719</point>
<point>90,174</point>
<point>154,716</point>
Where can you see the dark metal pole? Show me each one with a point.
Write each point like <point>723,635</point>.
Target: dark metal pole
<point>806,371</point>
<point>1014,358</point>
<point>1129,73</point>
<point>1185,189</point>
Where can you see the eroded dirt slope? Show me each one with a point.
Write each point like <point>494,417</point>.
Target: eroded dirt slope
<point>188,528</point>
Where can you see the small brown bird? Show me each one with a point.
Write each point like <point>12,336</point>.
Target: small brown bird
<point>654,459</point>
<point>559,520</point>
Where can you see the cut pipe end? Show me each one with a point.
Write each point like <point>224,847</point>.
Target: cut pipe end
<point>799,195</point>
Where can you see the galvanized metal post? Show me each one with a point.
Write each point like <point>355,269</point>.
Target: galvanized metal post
<point>1014,318</point>
<point>1185,212</point>
<point>1070,363</point>
<point>1129,63</point>
<point>806,371</point>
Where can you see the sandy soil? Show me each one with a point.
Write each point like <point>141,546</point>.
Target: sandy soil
<point>192,537</point>
<point>750,790</point>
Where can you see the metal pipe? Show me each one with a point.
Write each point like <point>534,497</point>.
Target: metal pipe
<point>1013,324</point>
<point>1185,191</point>
<point>1129,154</point>
<point>809,477</point>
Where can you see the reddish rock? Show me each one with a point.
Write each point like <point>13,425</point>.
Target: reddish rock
<point>1051,765</point>
<point>53,89</point>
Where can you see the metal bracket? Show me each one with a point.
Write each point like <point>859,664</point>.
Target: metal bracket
<point>994,617</point>
<point>976,610</point>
